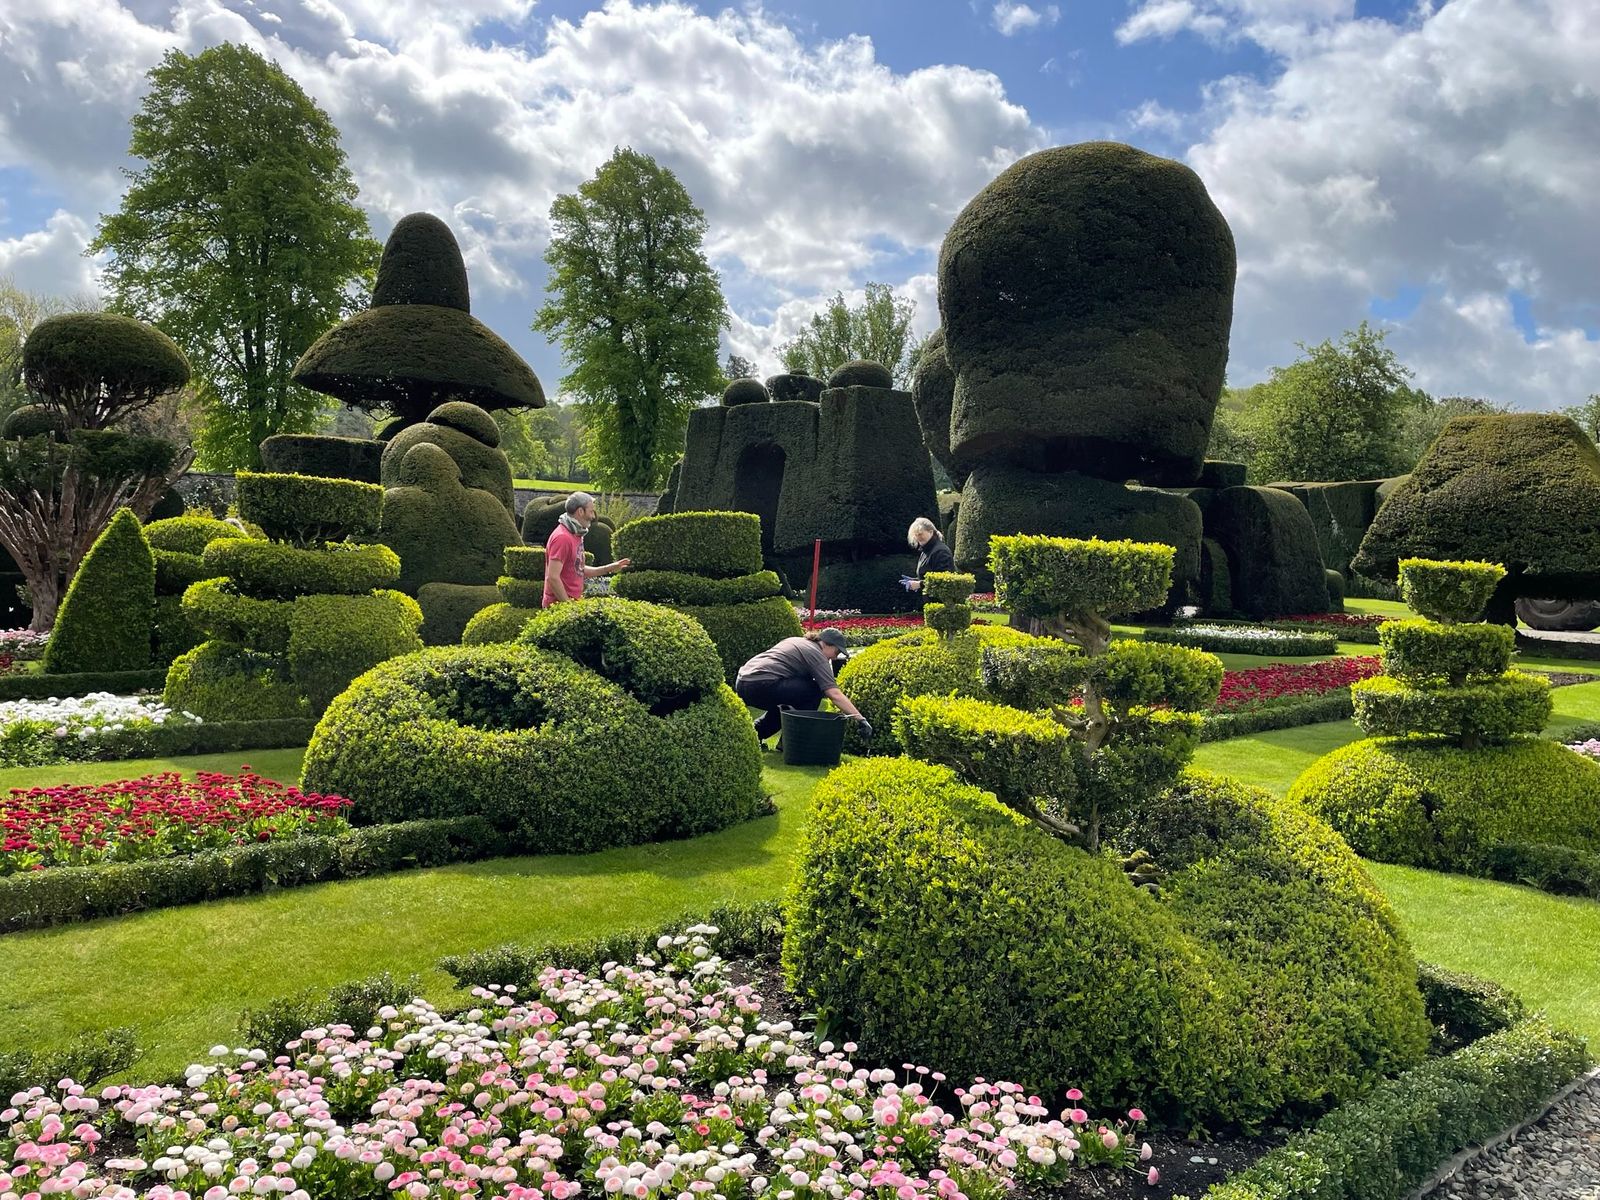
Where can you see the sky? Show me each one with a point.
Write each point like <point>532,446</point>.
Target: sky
<point>1431,167</point>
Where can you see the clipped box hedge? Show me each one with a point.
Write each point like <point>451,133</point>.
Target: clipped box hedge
<point>38,898</point>
<point>1332,706</point>
<point>62,687</point>
<point>720,544</point>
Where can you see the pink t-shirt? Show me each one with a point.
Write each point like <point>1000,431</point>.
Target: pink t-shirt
<point>565,547</point>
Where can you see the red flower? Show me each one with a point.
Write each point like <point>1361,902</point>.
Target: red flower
<point>1242,689</point>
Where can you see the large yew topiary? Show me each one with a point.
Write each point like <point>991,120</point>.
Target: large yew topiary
<point>1086,296</point>
<point>97,368</point>
<point>933,387</point>
<point>106,620</point>
<point>443,530</point>
<point>179,544</point>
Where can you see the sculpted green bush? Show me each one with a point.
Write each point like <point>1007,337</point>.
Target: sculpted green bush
<point>106,620</point>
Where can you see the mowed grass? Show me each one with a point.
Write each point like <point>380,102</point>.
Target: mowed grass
<point>181,977</point>
<point>282,765</point>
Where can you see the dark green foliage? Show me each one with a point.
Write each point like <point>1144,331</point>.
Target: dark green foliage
<point>1131,674</point>
<point>918,664</point>
<point>35,899</point>
<point>744,391</point>
<point>1026,760</point>
<point>681,587</point>
<point>323,455</point>
<point>526,563</point>
<point>1548,867</point>
<point>1271,546</point>
<point>1335,590</point>
<point>274,570</point>
<point>1004,500</point>
<point>869,584</point>
<point>658,656</point>
<point>1340,513</point>
<point>1038,576</point>
<point>447,607</point>
<point>1034,674</point>
<point>1216,578</point>
<point>418,346</point>
<point>542,734</point>
<point>189,534</point>
<point>172,632</point>
<point>947,619</point>
<point>1519,489</point>
<point>933,924</point>
<point>1248,639</point>
<point>1492,710</point>
<point>790,387</point>
<point>106,620</point>
<point>221,680</point>
<point>539,518</point>
<point>422,264</point>
<point>1384,1145</point>
<point>1425,653</point>
<point>742,631</point>
<point>33,420</point>
<point>947,587</point>
<point>471,439</point>
<point>1449,591</point>
<point>502,622</point>
<point>111,455</point>
<point>30,686</point>
<point>97,367</point>
<point>1464,1008</point>
<point>356,1004</point>
<point>719,544</point>
<point>305,511</point>
<point>524,593</point>
<point>861,373</point>
<point>1430,805</point>
<point>443,531</point>
<point>933,389</point>
<point>748,932</point>
<point>1219,473</point>
<point>1087,294</point>
<point>87,1059</point>
<point>333,639</point>
<point>171,504</point>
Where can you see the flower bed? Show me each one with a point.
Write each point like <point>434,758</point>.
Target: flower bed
<point>23,645</point>
<point>1245,639</point>
<point>155,816</point>
<point>1260,687</point>
<point>37,733</point>
<point>866,631</point>
<point>643,1082</point>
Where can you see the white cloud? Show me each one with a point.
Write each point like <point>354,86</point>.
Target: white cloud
<point>51,260</point>
<point>1011,17</point>
<point>1273,23</point>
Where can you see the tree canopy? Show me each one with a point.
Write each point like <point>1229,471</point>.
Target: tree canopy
<point>877,330</point>
<point>239,236</point>
<point>636,309</point>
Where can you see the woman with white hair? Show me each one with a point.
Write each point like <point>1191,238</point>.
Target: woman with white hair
<point>935,553</point>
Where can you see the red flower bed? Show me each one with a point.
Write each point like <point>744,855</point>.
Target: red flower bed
<point>155,817</point>
<point>1286,681</point>
<point>1339,620</point>
<point>846,624</point>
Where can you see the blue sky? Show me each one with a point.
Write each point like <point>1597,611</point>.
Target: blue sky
<point>1428,166</point>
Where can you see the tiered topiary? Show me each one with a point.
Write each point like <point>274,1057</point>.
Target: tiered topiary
<point>292,620</point>
<point>521,598</point>
<point>948,607</point>
<point>106,619</point>
<point>707,565</point>
<point>931,921</point>
<point>606,723</point>
<point>179,543</point>
<point>1453,769</point>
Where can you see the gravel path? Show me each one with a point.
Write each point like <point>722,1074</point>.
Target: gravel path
<point>1556,1159</point>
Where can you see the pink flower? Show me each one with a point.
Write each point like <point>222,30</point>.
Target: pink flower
<point>1074,1094</point>
<point>1109,1137</point>
<point>1153,1178</point>
<point>1078,1116</point>
<point>1135,1114</point>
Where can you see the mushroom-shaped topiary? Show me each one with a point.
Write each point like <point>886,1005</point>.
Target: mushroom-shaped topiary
<point>861,373</point>
<point>95,368</point>
<point>418,344</point>
<point>744,391</point>
<point>783,388</point>
<point>33,420</point>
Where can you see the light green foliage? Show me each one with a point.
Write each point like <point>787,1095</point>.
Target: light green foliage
<point>657,654</point>
<point>189,534</point>
<point>947,619</point>
<point>306,510</point>
<point>636,309</point>
<point>719,544</point>
<point>1248,640</point>
<point>524,593</point>
<point>1034,675</point>
<point>1448,591</point>
<point>682,587</point>
<point>224,681</point>
<point>241,233</point>
<point>1038,576</point>
<point>1490,710</point>
<point>231,616</point>
<point>1427,653</point>
<point>525,562</point>
<point>1134,673</point>
<point>333,639</point>
<point>275,570</point>
<point>948,587</point>
<point>106,620</point>
<point>502,622</point>
<point>876,330</point>
<point>742,631</point>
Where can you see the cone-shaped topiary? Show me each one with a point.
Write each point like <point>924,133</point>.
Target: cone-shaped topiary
<point>418,345</point>
<point>105,622</point>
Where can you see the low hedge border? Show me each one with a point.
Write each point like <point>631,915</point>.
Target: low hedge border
<point>211,737</point>
<point>63,687</point>
<point>1365,635</point>
<point>61,894</point>
<point>1332,706</point>
<point>1395,1138</point>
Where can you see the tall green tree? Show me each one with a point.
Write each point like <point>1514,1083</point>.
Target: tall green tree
<point>636,309</point>
<point>1587,415</point>
<point>878,330</point>
<point>240,237</point>
<point>1338,412</point>
<point>1426,418</point>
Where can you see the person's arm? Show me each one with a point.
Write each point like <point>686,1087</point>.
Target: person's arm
<point>842,703</point>
<point>552,577</point>
<point>622,564</point>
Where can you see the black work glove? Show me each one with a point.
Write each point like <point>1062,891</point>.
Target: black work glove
<point>864,728</point>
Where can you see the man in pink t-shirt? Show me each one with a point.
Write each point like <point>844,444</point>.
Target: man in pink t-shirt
<point>564,569</point>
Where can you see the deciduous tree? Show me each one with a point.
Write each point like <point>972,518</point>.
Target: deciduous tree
<point>878,330</point>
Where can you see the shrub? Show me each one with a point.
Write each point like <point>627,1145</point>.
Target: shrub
<point>524,593</point>
<point>34,420</point>
<point>1550,868</point>
<point>273,570</point>
<point>306,510</point>
<point>97,367</point>
<point>87,1059</point>
<point>1464,1008</point>
<point>106,619</point>
<point>1220,726</point>
<point>719,544</point>
<point>1270,544</point>
<point>1427,653</point>
<point>525,562</point>
<point>497,623</point>
<point>1449,591</point>
<point>1033,675</point>
<point>948,587</point>
<point>333,639</point>
<point>1244,639</point>
<point>1492,711</point>
<point>529,739</point>
<point>189,534</point>
<point>681,587</point>
<point>657,655</point>
<point>219,677</point>
<point>355,1004</point>
<point>1430,805</point>
<point>947,619</point>
<point>443,530</point>
<point>175,571</point>
<point>742,631</point>
<point>447,607</point>
<point>83,683</point>
<point>262,625</point>
<point>1041,576</point>
<point>323,455</point>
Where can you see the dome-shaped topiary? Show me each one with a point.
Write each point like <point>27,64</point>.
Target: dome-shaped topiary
<point>861,373</point>
<point>189,534</point>
<point>787,388</point>
<point>744,391</point>
<point>422,264</point>
<point>97,367</point>
<point>33,420</point>
<point>1086,295</point>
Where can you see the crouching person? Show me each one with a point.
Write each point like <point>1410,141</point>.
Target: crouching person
<point>796,673</point>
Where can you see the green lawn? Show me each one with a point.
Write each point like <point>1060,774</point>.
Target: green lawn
<point>282,765</point>
<point>548,485</point>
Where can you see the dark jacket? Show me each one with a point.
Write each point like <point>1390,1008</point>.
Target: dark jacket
<point>936,556</point>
